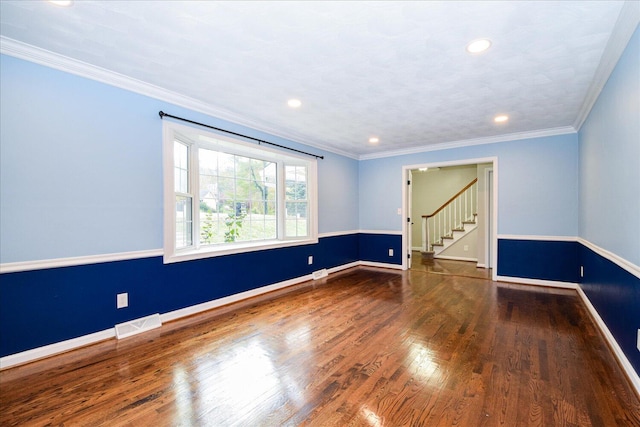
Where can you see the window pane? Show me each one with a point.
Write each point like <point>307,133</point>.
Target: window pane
<point>226,164</point>
<point>296,183</point>
<point>184,222</point>
<point>181,167</point>
<point>208,162</point>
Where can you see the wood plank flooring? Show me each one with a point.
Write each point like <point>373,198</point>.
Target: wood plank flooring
<point>365,347</point>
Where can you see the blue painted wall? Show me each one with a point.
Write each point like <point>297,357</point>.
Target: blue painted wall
<point>615,294</point>
<point>610,200</point>
<point>375,248</point>
<point>42,307</point>
<point>539,259</point>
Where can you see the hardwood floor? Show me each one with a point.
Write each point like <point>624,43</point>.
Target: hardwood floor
<point>366,347</point>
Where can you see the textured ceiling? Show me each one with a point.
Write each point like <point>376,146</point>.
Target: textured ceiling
<point>396,70</point>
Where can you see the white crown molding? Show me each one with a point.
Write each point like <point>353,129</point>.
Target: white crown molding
<point>470,142</point>
<point>50,59</point>
<point>627,23</point>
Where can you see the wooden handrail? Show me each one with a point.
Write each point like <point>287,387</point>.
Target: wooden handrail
<point>451,199</point>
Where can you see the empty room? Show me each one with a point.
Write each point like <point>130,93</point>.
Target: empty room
<point>229,213</point>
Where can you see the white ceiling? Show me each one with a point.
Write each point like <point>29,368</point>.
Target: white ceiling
<point>396,70</point>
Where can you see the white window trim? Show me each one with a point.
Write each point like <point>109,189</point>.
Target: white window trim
<point>172,255</point>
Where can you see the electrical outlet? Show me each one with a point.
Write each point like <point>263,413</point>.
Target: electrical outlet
<point>390,252</point>
<point>466,248</point>
<point>310,259</point>
<point>638,339</point>
<point>399,211</point>
<point>581,271</point>
<point>122,300</point>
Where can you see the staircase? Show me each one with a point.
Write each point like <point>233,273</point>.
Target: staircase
<point>454,235</point>
<point>450,222</point>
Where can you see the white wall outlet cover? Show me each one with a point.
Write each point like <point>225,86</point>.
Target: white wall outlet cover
<point>638,339</point>
<point>390,252</point>
<point>399,211</point>
<point>310,259</point>
<point>122,300</point>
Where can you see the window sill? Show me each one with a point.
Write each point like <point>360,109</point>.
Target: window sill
<point>239,248</point>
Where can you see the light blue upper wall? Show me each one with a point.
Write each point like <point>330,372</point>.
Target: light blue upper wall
<point>610,161</point>
<point>81,167</point>
<point>538,185</point>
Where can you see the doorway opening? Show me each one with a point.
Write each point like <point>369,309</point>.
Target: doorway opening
<point>442,196</point>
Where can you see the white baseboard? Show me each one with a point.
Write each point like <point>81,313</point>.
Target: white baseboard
<point>55,348</point>
<point>455,258</point>
<point>617,351</point>
<point>380,264</point>
<point>537,282</point>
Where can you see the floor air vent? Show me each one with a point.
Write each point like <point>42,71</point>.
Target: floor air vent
<point>138,326</point>
<point>319,274</point>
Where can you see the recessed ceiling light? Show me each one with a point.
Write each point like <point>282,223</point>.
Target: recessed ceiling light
<point>374,140</point>
<point>478,46</point>
<point>294,103</point>
<point>501,118</point>
<point>63,3</point>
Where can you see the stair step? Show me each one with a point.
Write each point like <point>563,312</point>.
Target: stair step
<point>437,244</point>
<point>468,222</point>
<point>459,229</point>
<point>447,237</point>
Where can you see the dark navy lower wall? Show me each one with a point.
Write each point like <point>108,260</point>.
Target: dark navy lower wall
<point>615,294</point>
<point>539,259</point>
<point>42,307</point>
<point>375,248</point>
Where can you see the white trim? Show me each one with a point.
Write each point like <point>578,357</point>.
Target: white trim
<point>55,348</point>
<point>44,57</point>
<point>391,232</point>
<point>12,267</point>
<point>613,344</point>
<point>537,282</point>
<point>494,219</point>
<point>531,237</point>
<point>337,233</point>
<point>565,130</point>
<point>622,31</point>
<point>456,258</point>
<point>619,261</point>
<point>192,137</point>
<point>381,265</point>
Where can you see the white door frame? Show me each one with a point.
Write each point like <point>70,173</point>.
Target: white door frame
<point>406,227</point>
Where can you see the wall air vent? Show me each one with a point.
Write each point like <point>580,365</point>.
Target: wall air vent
<point>319,274</point>
<point>138,326</point>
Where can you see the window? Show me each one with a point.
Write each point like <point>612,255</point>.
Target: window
<point>225,196</point>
